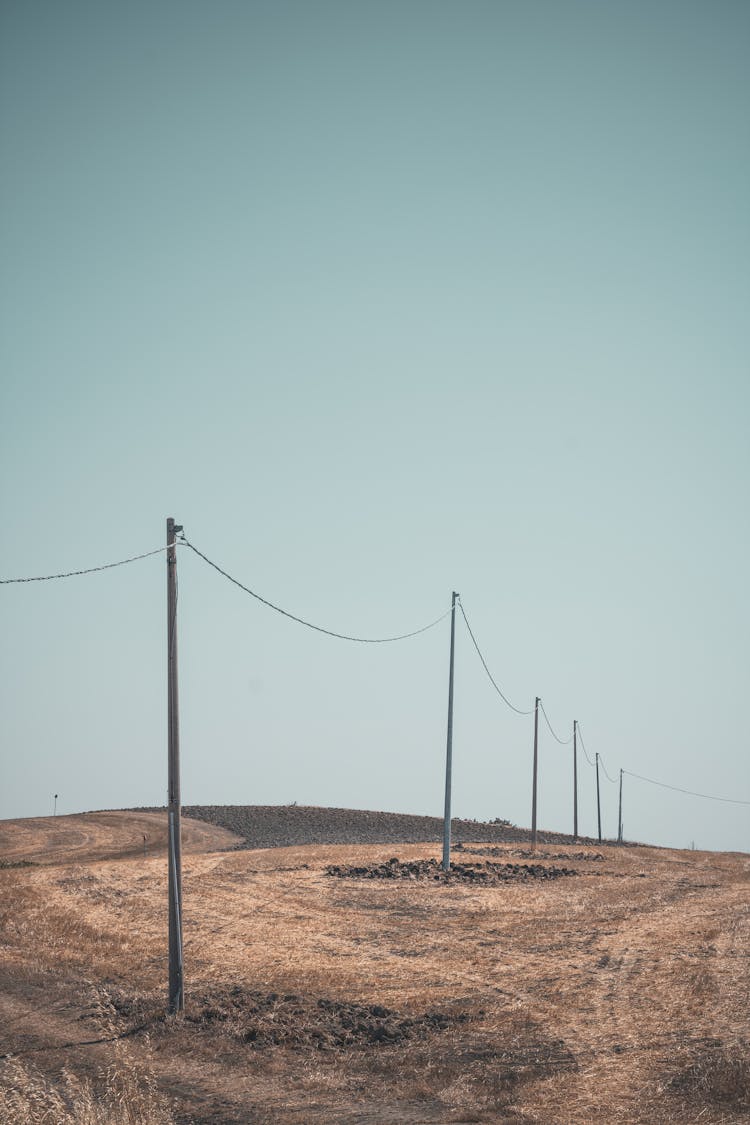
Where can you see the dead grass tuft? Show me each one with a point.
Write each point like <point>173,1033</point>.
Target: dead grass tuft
<point>125,1095</point>
<point>718,1074</point>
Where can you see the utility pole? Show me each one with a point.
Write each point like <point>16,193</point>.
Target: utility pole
<point>598,802</point>
<point>176,985</point>
<point>575,779</point>
<point>533,786</point>
<point>619,815</point>
<point>449,747</point>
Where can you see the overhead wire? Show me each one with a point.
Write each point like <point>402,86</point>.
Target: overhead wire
<point>583,745</point>
<point>606,772</point>
<point>690,792</point>
<point>562,741</point>
<point>601,759</point>
<point>182,540</point>
<point>484,663</point>
<point>309,624</point>
<point>88,570</point>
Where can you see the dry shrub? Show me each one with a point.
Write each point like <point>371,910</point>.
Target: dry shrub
<point>718,1074</point>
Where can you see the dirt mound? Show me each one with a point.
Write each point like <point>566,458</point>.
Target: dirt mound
<point>489,874</point>
<point>295,1020</point>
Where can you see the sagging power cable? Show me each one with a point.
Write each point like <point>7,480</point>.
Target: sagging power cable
<point>484,664</point>
<point>583,746</point>
<point>309,624</point>
<point>606,772</point>
<point>562,741</point>
<point>88,570</point>
<point>690,792</point>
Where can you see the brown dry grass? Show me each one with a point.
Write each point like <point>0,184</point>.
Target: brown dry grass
<point>620,995</point>
<point>125,1093</point>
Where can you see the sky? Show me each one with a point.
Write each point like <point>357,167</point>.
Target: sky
<point>379,301</point>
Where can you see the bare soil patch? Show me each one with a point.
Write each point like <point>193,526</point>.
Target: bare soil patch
<point>321,1024</point>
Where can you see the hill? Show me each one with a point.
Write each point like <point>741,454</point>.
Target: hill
<point>343,982</point>
<point>277,826</point>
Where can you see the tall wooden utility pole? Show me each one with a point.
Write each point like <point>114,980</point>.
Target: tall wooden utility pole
<point>176,986</point>
<point>619,815</point>
<point>533,785</point>
<point>575,780</point>
<point>598,802</point>
<point>449,747</point>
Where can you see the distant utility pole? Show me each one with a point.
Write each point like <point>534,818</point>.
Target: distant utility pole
<point>619,815</point>
<point>533,785</point>
<point>449,747</point>
<point>598,802</point>
<point>575,779</point>
<point>54,811</point>
<point>176,986</point>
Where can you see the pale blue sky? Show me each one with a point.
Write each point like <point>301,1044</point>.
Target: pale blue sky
<point>379,300</point>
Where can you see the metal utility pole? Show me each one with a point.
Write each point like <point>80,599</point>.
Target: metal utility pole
<point>533,786</point>
<point>449,747</point>
<point>176,986</point>
<point>619,815</point>
<point>598,802</point>
<point>54,811</point>
<point>575,779</point>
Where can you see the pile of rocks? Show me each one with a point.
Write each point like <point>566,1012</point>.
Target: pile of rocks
<point>527,853</point>
<point>488,874</point>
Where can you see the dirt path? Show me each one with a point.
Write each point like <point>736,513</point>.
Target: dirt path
<point>85,837</point>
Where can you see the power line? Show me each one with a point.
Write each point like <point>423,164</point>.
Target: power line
<point>89,570</point>
<point>484,663</point>
<point>562,741</point>
<point>377,640</point>
<point>606,774</point>
<point>583,746</point>
<point>690,792</point>
<point>309,624</point>
<point>601,759</point>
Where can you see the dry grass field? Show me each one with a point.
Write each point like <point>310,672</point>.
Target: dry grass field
<point>619,993</point>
